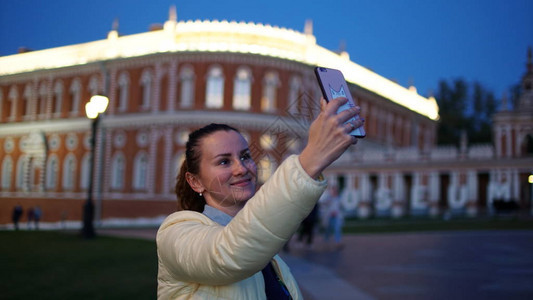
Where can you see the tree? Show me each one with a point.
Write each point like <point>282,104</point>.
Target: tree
<point>464,107</point>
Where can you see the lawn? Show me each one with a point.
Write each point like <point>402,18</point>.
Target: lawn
<point>57,265</point>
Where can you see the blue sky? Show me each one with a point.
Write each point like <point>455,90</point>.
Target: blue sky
<point>410,41</point>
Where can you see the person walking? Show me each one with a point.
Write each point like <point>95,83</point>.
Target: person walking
<point>17,213</point>
<point>333,217</point>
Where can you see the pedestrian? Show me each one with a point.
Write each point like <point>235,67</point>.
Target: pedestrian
<point>307,229</point>
<point>37,214</point>
<point>30,216</point>
<point>333,216</point>
<point>224,239</point>
<point>17,213</point>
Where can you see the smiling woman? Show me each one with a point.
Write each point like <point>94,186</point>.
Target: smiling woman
<point>222,242</point>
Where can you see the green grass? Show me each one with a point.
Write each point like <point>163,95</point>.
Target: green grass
<point>56,265</point>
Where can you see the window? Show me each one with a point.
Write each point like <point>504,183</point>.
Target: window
<point>22,170</point>
<point>42,100</point>
<point>242,89</point>
<point>12,103</point>
<point>294,94</point>
<point>75,93</point>
<point>140,171</point>
<point>117,171</point>
<point>186,87</point>
<point>178,162</point>
<point>267,166</point>
<point>7,172</point>
<point>146,89</point>
<point>270,87</point>
<point>27,96</point>
<point>85,170</point>
<point>52,167</point>
<point>123,91</point>
<point>57,99</point>
<point>69,172</point>
<point>94,86</point>
<point>215,88</point>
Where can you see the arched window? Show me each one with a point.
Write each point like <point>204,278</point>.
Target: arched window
<point>527,145</point>
<point>42,100</point>
<point>294,94</point>
<point>12,103</point>
<point>118,164</point>
<point>57,99</point>
<point>270,87</point>
<point>140,171</point>
<point>22,172</point>
<point>27,100</point>
<point>69,172</point>
<point>52,168</point>
<point>146,88</point>
<point>177,162</point>
<point>123,91</point>
<point>186,87</point>
<point>85,169</point>
<point>94,86</point>
<point>215,88</point>
<point>75,94</point>
<point>242,86</point>
<point>267,166</point>
<point>7,172</point>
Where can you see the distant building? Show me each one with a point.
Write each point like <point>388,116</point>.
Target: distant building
<point>164,83</point>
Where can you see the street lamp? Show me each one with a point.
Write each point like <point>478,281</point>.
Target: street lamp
<point>530,180</point>
<point>94,108</point>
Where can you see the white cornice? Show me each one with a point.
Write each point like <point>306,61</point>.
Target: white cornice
<point>193,118</point>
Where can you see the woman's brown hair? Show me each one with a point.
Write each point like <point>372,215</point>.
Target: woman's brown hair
<point>188,199</point>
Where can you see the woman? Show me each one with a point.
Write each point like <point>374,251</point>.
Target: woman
<point>222,242</point>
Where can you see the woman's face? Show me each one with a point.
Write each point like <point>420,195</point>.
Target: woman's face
<point>228,175</point>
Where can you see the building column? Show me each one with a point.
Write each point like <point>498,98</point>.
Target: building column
<point>171,98</point>
<point>518,140</point>
<point>112,92</point>
<point>107,161</point>
<point>167,134</point>
<point>156,94</point>
<point>472,182</point>
<point>498,140</point>
<point>508,141</point>
<point>152,159</point>
<point>398,206</point>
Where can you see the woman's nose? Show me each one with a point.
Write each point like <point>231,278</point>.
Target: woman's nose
<point>239,167</point>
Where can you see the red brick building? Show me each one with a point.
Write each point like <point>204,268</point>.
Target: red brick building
<point>166,82</point>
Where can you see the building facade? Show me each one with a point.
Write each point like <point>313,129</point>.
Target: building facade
<point>164,83</point>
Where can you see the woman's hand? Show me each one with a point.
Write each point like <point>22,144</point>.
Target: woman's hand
<point>329,137</point>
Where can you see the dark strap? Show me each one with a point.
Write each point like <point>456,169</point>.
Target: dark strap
<point>274,288</point>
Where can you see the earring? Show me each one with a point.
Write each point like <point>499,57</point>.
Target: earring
<point>200,194</point>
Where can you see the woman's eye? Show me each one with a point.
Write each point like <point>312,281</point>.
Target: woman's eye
<point>246,156</point>
<point>223,162</point>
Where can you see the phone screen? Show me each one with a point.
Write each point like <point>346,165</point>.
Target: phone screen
<point>333,85</point>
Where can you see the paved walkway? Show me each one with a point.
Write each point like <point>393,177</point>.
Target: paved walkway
<point>444,265</point>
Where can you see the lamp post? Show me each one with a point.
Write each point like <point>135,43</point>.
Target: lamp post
<point>94,108</point>
<point>530,180</point>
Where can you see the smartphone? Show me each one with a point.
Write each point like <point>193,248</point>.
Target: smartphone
<point>333,85</point>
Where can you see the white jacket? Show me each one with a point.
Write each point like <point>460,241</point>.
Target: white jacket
<point>199,259</point>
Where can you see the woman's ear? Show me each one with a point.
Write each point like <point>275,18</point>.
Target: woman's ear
<point>194,182</point>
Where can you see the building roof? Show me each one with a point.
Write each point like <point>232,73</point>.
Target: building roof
<point>220,36</point>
